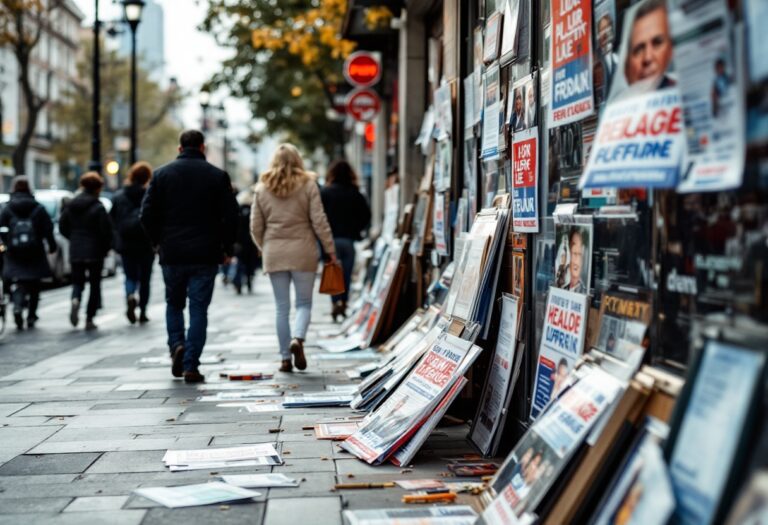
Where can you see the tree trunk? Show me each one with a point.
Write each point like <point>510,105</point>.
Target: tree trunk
<point>20,152</point>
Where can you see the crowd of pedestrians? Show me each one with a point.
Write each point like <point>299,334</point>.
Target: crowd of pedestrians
<point>188,214</point>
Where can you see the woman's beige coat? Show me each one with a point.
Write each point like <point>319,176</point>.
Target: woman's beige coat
<point>286,229</point>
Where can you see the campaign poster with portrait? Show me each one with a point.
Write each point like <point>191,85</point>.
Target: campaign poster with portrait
<point>573,258</point>
<point>525,181</point>
<point>571,50</point>
<point>639,141</point>
<point>712,98</point>
<point>523,110</point>
<point>607,62</point>
<point>562,343</point>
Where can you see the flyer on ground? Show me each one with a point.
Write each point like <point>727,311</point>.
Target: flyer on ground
<point>571,50</point>
<point>562,342</point>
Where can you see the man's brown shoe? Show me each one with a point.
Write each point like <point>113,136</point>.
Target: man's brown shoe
<point>177,368</point>
<point>297,349</point>
<point>286,366</point>
<point>194,376</point>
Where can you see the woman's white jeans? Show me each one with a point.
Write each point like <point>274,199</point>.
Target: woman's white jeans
<point>303,283</point>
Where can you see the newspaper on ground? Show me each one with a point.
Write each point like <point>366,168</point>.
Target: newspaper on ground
<point>437,515</point>
<point>248,455</point>
<point>194,495</point>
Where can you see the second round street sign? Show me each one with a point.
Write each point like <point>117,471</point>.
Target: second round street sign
<point>362,69</point>
<point>363,104</point>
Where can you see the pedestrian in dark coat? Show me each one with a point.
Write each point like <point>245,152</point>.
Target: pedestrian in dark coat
<point>85,222</point>
<point>349,214</point>
<point>29,229</point>
<point>132,242</point>
<point>246,252</point>
<point>189,211</point>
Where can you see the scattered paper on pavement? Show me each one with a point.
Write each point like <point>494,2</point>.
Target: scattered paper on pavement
<point>194,495</point>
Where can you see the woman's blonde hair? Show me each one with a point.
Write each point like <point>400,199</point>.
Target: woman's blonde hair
<point>286,171</point>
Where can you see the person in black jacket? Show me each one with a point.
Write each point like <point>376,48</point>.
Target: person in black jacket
<point>85,222</point>
<point>28,225</point>
<point>189,211</point>
<point>132,241</point>
<point>246,252</point>
<point>349,214</point>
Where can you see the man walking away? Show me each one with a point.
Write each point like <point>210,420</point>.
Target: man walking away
<point>132,241</point>
<point>189,211</point>
<point>85,222</point>
<point>27,224</point>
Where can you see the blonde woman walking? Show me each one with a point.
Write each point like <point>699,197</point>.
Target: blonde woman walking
<point>287,220</point>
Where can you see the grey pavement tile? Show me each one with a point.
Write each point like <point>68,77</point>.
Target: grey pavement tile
<point>113,421</point>
<point>284,511</point>
<point>304,465</point>
<point>311,484</point>
<point>306,449</point>
<point>48,464</point>
<point>7,409</point>
<point>357,467</point>
<point>66,395</point>
<point>231,514</point>
<point>20,421</point>
<point>33,505</point>
<point>96,503</point>
<point>69,490</point>
<point>96,379</point>
<point>107,445</point>
<point>113,517</point>
<point>134,461</point>
<point>243,439</point>
<point>133,403</point>
<point>36,479</point>
<point>55,409</point>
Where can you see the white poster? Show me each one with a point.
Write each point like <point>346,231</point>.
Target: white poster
<point>491,108</point>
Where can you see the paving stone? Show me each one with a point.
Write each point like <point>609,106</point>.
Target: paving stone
<point>113,517</point>
<point>304,465</point>
<point>356,466</point>
<point>96,503</point>
<point>306,449</point>
<point>70,490</point>
<point>48,464</point>
<point>133,403</point>
<point>138,461</point>
<point>115,445</point>
<point>243,439</point>
<point>55,409</point>
<point>33,505</point>
<point>284,511</point>
<point>313,484</point>
<point>7,409</point>
<point>16,481</point>
<point>109,421</point>
<point>96,379</point>
<point>231,514</point>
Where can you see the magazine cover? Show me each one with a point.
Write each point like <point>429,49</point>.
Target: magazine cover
<point>573,259</point>
<point>561,345</point>
<point>395,421</point>
<point>624,319</point>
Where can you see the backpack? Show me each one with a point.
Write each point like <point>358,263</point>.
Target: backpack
<point>130,227</point>
<point>22,237</point>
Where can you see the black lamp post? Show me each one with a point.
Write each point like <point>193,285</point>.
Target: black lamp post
<point>132,10</point>
<point>223,125</point>
<point>205,101</point>
<point>95,162</point>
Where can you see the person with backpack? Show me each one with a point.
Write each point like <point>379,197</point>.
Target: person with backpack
<point>27,228</point>
<point>85,222</point>
<point>132,242</point>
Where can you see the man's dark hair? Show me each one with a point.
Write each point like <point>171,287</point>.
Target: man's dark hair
<point>191,138</point>
<point>562,362</point>
<point>20,183</point>
<point>573,233</point>
<point>649,6</point>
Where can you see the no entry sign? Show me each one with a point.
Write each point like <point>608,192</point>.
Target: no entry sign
<point>363,104</point>
<point>362,69</point>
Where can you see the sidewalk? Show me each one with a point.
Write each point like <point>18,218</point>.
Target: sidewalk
<point>83,429</point>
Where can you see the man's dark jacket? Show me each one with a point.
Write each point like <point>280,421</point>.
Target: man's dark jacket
<point>190,212</point>
<point>32,265</point>
<point>85,222</point>
<point>130,237</point>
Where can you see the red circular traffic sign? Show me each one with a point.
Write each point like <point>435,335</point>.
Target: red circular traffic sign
<point>362,69</point>
<point>363,104</point>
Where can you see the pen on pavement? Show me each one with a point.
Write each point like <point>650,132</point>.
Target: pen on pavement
<point>364,485</point>
<point>429,498</point>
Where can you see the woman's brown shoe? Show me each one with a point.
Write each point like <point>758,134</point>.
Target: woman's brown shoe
<point>286,366</point>
<point>297,349</point>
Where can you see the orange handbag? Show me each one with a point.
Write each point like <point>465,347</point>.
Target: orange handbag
<point>332,281</point>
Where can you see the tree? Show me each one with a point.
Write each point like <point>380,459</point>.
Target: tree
<point>158,136</point>
<point>287,62</point>
<point>22,23</point>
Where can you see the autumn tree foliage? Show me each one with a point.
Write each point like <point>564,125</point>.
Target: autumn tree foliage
<point>287,61</point>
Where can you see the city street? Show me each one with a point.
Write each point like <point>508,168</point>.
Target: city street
<point>84,423</point>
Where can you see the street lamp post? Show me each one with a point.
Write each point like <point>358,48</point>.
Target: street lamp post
<point>95,162</point>
<point>205,101</point>
<point>223,126</point>
<point>132,10</point>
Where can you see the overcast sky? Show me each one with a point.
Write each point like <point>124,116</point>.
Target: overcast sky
<point>190,55</point>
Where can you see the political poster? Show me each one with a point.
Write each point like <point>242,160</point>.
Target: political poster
<point>525,181</point>
<point>573,260</point>
<point>523,108</point>
<point>491,108</point>
<point>639,141</point>
<point>571,51</point>
<point>712,98</point>
<point>624,319</point>
<point>562,343</point>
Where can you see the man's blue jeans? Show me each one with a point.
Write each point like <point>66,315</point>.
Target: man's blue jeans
<point>195,281</point>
